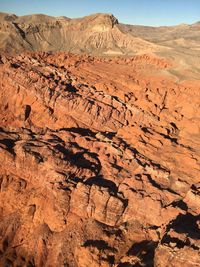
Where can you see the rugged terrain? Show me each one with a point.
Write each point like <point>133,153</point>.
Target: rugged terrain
<point>99,161</point>
<point>95,34</point>
<point>102,35</point>
<point>99,151</point>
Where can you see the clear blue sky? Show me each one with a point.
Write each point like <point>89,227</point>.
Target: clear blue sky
<point>144,12</point>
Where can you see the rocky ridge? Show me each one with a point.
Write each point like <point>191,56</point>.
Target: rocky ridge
<point>99,162</point>
<point>94,34</point>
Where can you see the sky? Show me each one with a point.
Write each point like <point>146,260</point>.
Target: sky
<point>141,12</point>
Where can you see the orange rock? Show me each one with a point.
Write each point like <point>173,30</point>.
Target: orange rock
<point>99,162</point>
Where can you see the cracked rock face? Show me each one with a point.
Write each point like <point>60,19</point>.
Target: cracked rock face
<point>99,162</point>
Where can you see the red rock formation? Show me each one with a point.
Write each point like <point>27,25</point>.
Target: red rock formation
<point>99,162</point>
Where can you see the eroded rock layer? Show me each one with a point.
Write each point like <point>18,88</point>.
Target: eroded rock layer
<point>99,162</point>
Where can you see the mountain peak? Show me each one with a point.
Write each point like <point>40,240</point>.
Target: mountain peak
<point>104,19</point>
<point>107,17</point>
<point>100,22</point>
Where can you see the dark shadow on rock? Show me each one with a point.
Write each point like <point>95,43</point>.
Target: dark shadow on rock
<point>27,111</point>
<point>186,224</point>
<point>128,264</point>
<point>9,144</point>
<point>144,250</point>
<point>100,181</point>
<point>180,204</point>
<point>78,159</point>
<point>81,131</point>
<point>70,88</point>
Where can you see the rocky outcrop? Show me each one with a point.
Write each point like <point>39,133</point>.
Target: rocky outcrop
<point>99,162</point>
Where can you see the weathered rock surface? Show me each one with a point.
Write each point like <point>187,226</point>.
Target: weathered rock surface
<point>99,162</point>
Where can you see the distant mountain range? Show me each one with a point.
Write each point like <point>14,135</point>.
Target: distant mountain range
<point>94,34</point>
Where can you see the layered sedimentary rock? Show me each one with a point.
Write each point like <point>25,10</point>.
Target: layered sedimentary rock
<point>99,162</point>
